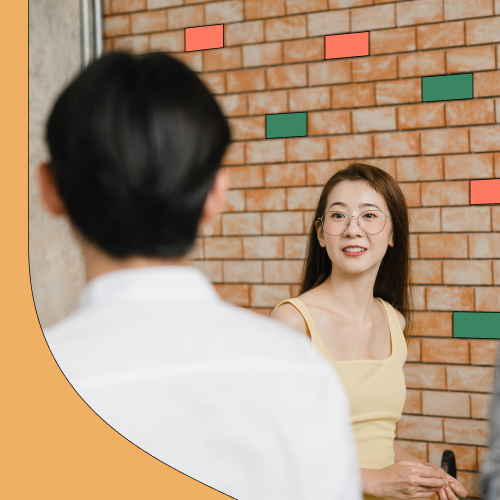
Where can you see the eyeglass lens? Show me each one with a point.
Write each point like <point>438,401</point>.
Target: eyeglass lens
<point>371,222</point>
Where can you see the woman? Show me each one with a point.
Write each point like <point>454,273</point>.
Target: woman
<point>354,303</point>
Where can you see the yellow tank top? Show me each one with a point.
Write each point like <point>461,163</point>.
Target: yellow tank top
<point>376,390</point>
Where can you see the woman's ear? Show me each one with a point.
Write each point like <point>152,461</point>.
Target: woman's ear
<point>49,191</point>
<point>320,233</point>
<point>391,239</point>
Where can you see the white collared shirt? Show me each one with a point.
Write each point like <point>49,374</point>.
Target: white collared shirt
<point>233,399</point>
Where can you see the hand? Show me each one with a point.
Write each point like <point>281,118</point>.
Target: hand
<point>406,480</point>
<point>452,491</point>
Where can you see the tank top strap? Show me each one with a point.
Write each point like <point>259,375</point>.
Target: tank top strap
<point>301,307</point>
<point>397,335</point>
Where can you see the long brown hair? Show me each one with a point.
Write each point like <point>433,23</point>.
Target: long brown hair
<point>393,279</point>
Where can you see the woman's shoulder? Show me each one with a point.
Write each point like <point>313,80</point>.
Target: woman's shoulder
<point>291,316</point>
<point>399,316</point>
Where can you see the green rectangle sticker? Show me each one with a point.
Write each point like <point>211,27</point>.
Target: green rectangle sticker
<point>447,87</point>
<point>286,125</point>
<point>476,325</point>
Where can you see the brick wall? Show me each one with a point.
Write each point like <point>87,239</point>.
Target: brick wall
<point>365,108</point>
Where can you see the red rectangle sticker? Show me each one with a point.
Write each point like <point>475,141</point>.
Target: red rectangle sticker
<point>204,37</point>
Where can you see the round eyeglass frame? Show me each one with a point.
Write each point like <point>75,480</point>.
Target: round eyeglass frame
<point>349,221</point>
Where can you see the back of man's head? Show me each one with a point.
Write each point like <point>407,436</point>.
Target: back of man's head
<point>135,143</point>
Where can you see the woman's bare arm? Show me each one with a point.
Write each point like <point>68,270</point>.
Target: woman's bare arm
<point>290,316</point>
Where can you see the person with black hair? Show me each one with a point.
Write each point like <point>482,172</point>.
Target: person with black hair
<point>230,398</point>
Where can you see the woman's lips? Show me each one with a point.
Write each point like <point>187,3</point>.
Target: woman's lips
<point>353,251</point>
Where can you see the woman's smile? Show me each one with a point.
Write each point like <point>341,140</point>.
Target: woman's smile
<point>353,250</point>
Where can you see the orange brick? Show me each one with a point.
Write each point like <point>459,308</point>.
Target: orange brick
<point>496,272</point>
<point>470,378</point>
<point>465,455</point>
<point>424,168</point>
<point>328,123</point>
<point>458,9</point>
<point>396,144</point>
<point>295,247</point>
<point>465,431</point>
<point>433,324</point>
<point>217,225</point>
<point>472,112</point>
<point>482,31</point>
<point>445,404</point>
<point>485,138</point>
<point>426,272</point>
<point>487,84</point>
<point>369,120</point>
<point>233,104</point>
<point>147,22</point>
<point>435,36</point>
<point>413,246</point>
<point>452,351</point>
<point>283,223</point>
<point>288,174</point>
<point>445,141</point>
<point>372,18</point>
<point>327,23</point>
<point>480,405</point>
<point>268,295</point>
<point>450,298</point>
<point>236,294</point>
<point>259,9</point>
<point>242,271</point>
<point>282,77</point>
<point>309,99</point>
<point>484,352</point>
<point>138,44</point>
<point>413,402</point>
<point>245,177</point>
<point>211,268</point>
<point>262,103</point>
<point>312,49</point>
<point>235,201</point>
<point>474,166</point>
<point>371,68</point>
<point>418,293</point>
<point>342,4</point>
<point>427,115</point>
<point>393,40</point>
<point>482,455</point>
<point>351,146</point>
<point>470,59</point>
<point>299,6</point>
<point>216,83</point>
<point>243,33</point>
<point>442,246</point>
<point>224,12</point>
<point>263,247</point>
<point>425,220</point>
<point>262,54</point>
<point>399,92</point>
<point>329,72</point>
<point>185,17</point>
<point>386,164</point>
<point>246,80</point>
<point>159,4</point>
<point>265,151</point>
<point>422,428</point>
<point>420,376</point>
<point>235,154</point>
<point>241,224</point>
<point>253,127</point>
<point>318,173</point>
<point>193,60</point>
<point>353,96</point>
<point>411,192</point>
<point>116,25</point>
<point>306,149</point>
<point>282,271</point>
<point>467,272</point>
<point>415,448</point>
<point>488,299</point>
<point>216,60</point>
<point>471,482</point>
<point>127,5</point>
<point>302,198</point>
<point>484,246</point>
<point>468,218</point>
<point>285,28</point>
<point>414,353</point>
<point>419,12</point>
<point>421,64</point>
<point>265,199</point>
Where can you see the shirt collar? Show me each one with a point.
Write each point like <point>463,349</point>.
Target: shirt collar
<point>152,284</point>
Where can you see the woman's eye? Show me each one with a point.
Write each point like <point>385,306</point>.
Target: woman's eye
<point>337,215</point>
<point>370,215</point>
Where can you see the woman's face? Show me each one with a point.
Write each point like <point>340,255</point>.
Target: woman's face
<point>354,251</point>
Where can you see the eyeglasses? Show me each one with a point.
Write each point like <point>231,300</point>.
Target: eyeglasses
<point>371,222</point>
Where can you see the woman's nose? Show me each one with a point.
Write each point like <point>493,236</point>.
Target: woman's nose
<point>353,228</point>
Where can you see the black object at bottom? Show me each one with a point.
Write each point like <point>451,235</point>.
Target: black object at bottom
<point>448,463</point>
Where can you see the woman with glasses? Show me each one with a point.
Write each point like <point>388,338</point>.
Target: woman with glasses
<point>355,305</point>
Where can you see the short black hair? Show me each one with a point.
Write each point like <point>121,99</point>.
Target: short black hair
<point>135,144</point>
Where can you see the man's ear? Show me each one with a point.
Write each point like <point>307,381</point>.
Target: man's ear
<point>49,190</point>
<point>216,197</point>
